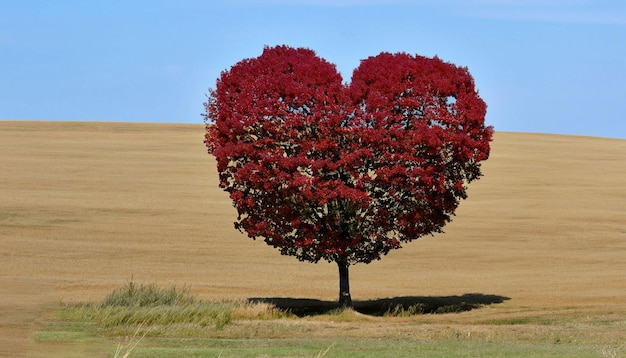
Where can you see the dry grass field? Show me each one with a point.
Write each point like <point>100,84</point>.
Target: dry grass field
<point>86,207</point>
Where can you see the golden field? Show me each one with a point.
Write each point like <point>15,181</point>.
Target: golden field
<point>87,207</point>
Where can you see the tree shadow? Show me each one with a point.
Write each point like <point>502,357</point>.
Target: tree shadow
<point>397,306</point>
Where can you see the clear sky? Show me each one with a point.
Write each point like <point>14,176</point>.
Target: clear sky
<point>553,66</point>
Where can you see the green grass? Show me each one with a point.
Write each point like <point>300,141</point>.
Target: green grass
<point>342,347</point>
<point>356,348</point>
<point>147,321</point>
<point>132,295</point>
<point>148,310</point>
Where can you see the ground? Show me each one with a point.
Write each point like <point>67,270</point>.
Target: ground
<point>87,207</point>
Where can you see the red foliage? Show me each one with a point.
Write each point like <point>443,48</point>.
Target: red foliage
<point>323,170</point>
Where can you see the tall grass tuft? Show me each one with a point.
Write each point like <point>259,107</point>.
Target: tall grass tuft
<point>155,310</point>
<point>133,295</point>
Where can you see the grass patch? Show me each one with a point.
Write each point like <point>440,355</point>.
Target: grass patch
<point>153,311</point>
<point>158,319</point>
<point>136,314</point>
<point>133,295</point>
<point>148,321</point>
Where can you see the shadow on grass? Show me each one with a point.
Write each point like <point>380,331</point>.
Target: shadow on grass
<point>409,305</point>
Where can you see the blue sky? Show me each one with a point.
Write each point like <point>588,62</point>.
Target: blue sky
<point>552,66</point>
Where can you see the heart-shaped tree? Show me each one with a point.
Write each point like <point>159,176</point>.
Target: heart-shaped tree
<point>345,173</point>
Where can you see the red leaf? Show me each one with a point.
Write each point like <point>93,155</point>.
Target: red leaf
<point>323,170</point>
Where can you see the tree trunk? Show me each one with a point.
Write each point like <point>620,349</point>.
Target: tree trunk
<point>345,301</point>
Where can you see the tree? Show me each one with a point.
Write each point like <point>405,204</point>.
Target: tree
<point>345,173</point>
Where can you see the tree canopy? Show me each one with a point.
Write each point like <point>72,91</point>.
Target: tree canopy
<point>323,170</point>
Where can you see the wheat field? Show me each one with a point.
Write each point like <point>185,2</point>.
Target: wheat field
<point>86,207</point>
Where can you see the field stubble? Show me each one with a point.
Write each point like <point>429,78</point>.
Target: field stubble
<point>86,207</point>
